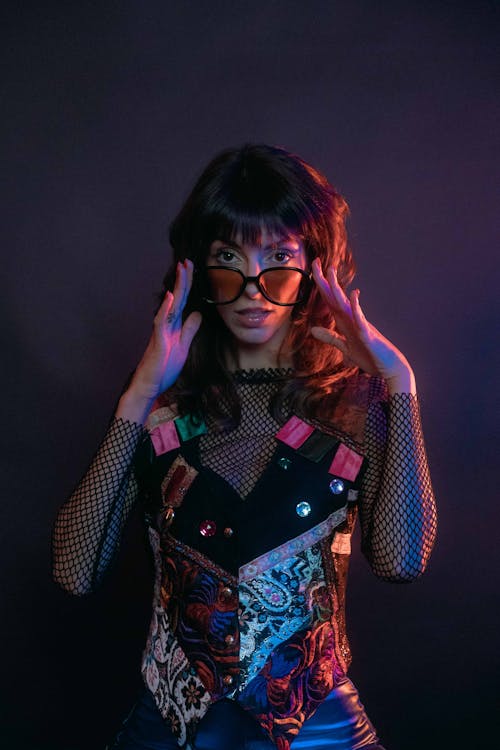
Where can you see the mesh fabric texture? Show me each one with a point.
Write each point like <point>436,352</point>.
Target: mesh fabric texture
<point>397,508</point>
<point>89,525</point>
<point>241,455</point>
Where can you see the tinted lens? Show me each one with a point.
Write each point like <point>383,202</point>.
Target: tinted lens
<point>282,285</point>
<point>224,284</point>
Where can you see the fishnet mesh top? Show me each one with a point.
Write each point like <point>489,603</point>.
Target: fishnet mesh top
<point>397,507</point>
<point>240,456</point>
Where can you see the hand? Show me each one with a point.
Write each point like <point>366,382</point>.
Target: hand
<point>169,344</point>
<point>357,339</point>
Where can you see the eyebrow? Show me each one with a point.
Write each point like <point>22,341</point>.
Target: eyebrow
<point>234,244</point>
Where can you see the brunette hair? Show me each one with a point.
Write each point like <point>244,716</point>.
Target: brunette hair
<point>240,191</point>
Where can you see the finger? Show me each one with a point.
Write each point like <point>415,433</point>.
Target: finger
<point>357,312</point>
<point>165,309</point>
<point>190,328</point>
<point>327,337</point>
<point>337,291</point>
<point>180,281</point>
<point>189,268</point>
<point>180,295</point>
<point>318,275</point>
<point>328,286</point>
<point>186,269</point>
<point>321,282</point>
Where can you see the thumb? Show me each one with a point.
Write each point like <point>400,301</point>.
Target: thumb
<point>327,337</point>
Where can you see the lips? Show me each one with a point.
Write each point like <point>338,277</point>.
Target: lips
<point>252,317</point>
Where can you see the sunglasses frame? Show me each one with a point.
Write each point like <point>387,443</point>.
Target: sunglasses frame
<point>256,279</point>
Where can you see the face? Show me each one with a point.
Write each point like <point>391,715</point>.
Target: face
<point>254,321</point>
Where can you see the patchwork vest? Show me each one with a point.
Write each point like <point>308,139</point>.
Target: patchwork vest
<point>249,594</point>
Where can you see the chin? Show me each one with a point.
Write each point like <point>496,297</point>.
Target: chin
<point>252,337</point>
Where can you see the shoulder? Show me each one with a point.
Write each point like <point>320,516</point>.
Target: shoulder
<point>348,405</point>
<point>159,415</point>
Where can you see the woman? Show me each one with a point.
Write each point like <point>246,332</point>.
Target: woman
<point>265,412</point>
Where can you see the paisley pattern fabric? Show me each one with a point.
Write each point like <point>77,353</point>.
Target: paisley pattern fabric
<point>277,604</point>
<point>294,546</point>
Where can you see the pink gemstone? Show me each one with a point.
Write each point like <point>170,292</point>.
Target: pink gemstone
<point>208,528</point>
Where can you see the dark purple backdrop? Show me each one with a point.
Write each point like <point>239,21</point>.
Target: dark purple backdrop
<point>111,110</point>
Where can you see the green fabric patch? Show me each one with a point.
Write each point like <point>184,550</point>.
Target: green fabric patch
<point>189,427</point>
<point>317,445</point>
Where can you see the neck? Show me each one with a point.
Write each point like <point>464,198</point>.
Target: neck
<point>248,358</point>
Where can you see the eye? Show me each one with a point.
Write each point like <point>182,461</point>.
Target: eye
<point>224,255</point>
<point>282,255</point>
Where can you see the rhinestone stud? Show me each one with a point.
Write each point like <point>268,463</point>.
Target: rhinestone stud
<point>284,463</point>
<point>336,486</point>
<point>303,509</point>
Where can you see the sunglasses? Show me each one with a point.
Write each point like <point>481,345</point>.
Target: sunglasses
<point>281,286</point>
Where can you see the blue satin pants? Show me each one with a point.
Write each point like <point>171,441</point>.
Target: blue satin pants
<point>340,723</point>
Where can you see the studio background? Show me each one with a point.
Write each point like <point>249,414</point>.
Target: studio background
<point>111,110</point>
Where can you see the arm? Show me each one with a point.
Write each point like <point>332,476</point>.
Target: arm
<point>88,527</point>
<point>397,506</point>
<point>398,512</point>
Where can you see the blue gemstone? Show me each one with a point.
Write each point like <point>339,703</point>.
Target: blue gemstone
<point>303,509</point>
<point>284,463</point>
<point>336,486</point>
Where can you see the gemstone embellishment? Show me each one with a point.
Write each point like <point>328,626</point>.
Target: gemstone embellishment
<point>336,486</point>
<point>284,463</point>
<point>303,508</point>
<point>208,528</point>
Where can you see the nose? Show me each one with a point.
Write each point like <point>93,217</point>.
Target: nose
<point>253,269</point>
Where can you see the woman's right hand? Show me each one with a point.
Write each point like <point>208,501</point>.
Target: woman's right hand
<point>166,351</point>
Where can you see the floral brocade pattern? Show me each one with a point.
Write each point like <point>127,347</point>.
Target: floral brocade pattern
<point>202,612</point>
<point>295,680</point>
<point>179,693</point>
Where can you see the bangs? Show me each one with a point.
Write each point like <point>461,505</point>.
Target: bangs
<point>246,228</point>
<point>250,198</point>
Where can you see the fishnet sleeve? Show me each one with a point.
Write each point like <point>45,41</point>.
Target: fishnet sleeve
<point>88,527</point>
<point>397,505</point>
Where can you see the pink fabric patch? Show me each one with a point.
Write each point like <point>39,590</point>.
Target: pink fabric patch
<point>346,463</point>
<point>295,432</point>
<point>164,438</point>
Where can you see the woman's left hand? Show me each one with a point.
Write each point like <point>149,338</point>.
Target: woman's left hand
<point>357,339</point>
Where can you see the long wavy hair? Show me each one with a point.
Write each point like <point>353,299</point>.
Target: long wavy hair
<point>240,191</point>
